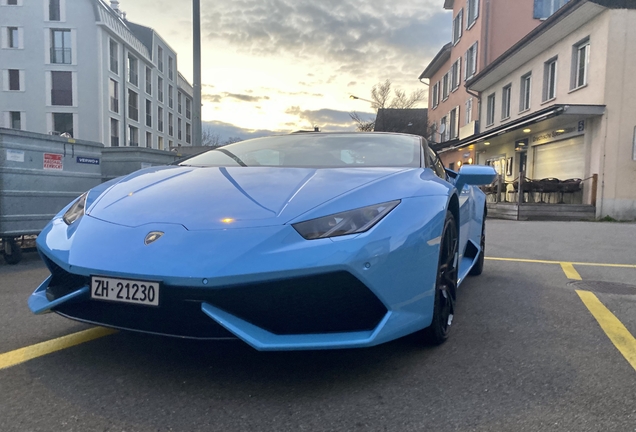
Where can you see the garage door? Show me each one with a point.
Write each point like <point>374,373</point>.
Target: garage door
<point>563,159</point>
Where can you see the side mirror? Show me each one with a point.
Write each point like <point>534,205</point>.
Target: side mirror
<point>474,175</point>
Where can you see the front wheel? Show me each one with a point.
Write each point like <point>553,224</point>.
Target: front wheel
<point>445,285</point>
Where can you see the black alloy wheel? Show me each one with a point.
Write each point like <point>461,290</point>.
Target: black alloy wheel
<point>446,285</point>
<point>478,268</point>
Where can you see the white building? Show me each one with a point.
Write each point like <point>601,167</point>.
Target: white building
<point>79,67</point>
<point>561,104</point>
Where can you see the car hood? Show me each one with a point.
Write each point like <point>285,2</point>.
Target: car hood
<point>202,198</point>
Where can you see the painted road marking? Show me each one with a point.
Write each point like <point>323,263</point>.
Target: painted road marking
<point>22,355</point>
<point>613,328</point>
<point>570,271</point>
<point>559,262</point>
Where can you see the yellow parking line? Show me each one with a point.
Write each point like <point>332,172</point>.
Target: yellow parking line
<point>570,271</point>
<point>22,355</point>
<point>559,262</point>
<point>613,328</point>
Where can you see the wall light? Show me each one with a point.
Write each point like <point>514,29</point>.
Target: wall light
<point>527,130</point>
<point>486,143</point>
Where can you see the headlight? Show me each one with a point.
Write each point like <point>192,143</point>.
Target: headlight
<point>76,210</point>
<point>349,222</point>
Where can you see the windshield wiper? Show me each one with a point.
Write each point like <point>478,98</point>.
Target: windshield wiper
<point>231,155</point>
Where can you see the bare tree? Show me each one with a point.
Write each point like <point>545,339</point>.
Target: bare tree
<point>232,140</point>
<point>381,97</point>
<point>362,125</point>
<point>210,138</point>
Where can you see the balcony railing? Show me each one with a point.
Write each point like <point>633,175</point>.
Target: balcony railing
<point>114,104</point>
<point>61,55</point>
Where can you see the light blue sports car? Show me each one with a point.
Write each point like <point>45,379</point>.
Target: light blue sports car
<point>303,241</point>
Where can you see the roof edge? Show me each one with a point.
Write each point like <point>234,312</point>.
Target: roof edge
<point>440,58</point>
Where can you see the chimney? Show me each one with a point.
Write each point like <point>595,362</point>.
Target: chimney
<point>114,5</point>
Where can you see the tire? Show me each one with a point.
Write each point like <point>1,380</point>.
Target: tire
<point>478,268</point>
<point>445,285</point>
<point>12,251</point>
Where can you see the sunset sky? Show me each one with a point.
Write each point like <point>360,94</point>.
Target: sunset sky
<point>283,65</point>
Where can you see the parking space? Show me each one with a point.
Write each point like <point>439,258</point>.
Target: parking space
<point>526,353</point>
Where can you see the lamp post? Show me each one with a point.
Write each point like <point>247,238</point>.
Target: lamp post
<point>362,99</point>
<point>196,85</point>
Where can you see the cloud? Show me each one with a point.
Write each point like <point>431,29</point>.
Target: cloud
<point>218,98</point>
<point>393,38</point>
<point>227,130</point>
<point>325,118</point>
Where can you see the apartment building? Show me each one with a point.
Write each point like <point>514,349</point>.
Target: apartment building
<point>482,30</point>
<point>79,68</point>
<point>559,104</point>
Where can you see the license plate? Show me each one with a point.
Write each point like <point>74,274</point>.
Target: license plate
<point>125,290</point>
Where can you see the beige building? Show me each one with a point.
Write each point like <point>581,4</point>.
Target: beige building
<point>561,104</point>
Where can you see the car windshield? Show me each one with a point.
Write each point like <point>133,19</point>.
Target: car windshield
<point>316,150</point>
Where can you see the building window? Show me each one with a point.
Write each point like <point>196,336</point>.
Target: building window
<point>61,88</point>
<point>133,71</point>
<point>469,110</point>
<point>170,100</point>
<point>580,62</point>
<point>160,89</point>
<point>12,2</point>
<point>63,123</point>
<point>133,105</point>
<point>148,80</point>
<point>114,133</point>
<point>490,110</point>
<point>14,79</point>
<point>549,79</point>
<point>524,97</point>
<point>160,58</point>
<point>188,133</point>
<point>170,124</point>
<point>179,102</point>
<point>54,10</point>
<point>148,140</point>
<point>160,143</point>
<point>443,130</point>
<point>179,129</point>
<point>471,62</point>
<point>15,117</point>
<point>160,119</point>
<point>435,95</point>
<point>472,12</point>
<point>113,89</point>
<point>505,101</point>
<point>445,86</point>
<point>454,123</point>
<point>133,136</point>
<point>458,26</point>
<point>148,113</point>
<point>13,37</point>
<point>170,66</point>
<point>170,144</point>
<point>456,74</point>
<point>188,108</point>
<point>114,64</point>
<point>545,8</point>
<point>61,46</point>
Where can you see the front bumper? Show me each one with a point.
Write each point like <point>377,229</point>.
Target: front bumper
<point>267,285</point>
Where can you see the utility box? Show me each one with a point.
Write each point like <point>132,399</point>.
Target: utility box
<point>39,175</point>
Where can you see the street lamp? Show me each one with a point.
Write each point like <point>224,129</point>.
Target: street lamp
<point>356,97</point>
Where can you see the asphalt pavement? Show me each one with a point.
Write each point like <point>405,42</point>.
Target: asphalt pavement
<point>525,354</point>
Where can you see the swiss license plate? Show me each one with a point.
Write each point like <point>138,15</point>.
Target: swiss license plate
<point>125,290</point>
